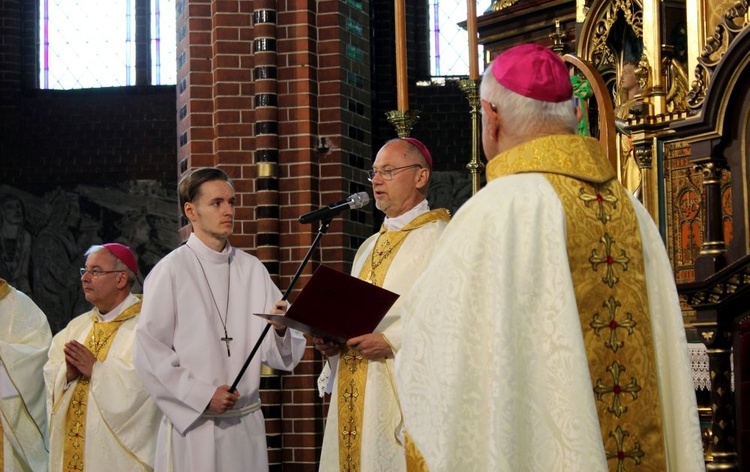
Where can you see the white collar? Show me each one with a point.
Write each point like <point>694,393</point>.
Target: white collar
<point>395,224</point>
<point>208,254</point>
<point>117,311</point>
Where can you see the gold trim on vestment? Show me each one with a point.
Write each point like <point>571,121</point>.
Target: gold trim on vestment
<point>352,370</point>
<point>414,460</point>
<point>98,341</point>
<point>575,156</point>
<point>605,255</point>
<point>606,262</point>
<point>4,288</point>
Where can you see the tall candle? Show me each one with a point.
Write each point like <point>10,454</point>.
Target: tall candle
<point>402,87</point>
<point>471,27</point>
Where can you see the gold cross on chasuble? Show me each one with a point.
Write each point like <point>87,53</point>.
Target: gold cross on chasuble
<point>98,341</point>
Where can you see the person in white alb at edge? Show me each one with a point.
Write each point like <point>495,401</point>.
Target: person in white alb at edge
<point>24,340</point>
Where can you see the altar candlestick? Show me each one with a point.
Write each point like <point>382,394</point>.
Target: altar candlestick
<point>471,28</point>
<point>402,86</point>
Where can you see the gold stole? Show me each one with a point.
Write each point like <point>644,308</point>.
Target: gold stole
<point>98,341</point>
<point>4,290</point>
<point>607,267</point>
<point>352,371</point>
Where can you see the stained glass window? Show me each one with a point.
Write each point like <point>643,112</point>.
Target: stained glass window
<point>449,43</point>
<point>91,43</point>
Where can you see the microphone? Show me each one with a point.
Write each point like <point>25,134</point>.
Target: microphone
<point>354,201</point>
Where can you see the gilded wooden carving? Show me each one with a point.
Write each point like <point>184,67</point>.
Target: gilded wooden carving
<point>732,22</point>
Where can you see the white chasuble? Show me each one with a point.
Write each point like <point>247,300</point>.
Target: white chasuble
<point>182,359</point>
<point>380,448</point>
<point>24,340</point>
<point>493,372</point>
<point>120,420</point>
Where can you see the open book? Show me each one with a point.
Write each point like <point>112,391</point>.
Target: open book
<point>336,306</point>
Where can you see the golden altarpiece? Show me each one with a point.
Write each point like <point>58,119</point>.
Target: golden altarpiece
<point>670,102</point>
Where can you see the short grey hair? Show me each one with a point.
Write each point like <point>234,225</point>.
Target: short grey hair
<point>527,115</point>
<point>119,265</point>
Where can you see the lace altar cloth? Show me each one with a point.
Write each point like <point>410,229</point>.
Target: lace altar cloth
<point>701,372</point>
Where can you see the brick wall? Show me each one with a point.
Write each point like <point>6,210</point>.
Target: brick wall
<point>90,136</point>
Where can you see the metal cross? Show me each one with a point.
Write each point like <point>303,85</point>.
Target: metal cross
<point>226,340</point>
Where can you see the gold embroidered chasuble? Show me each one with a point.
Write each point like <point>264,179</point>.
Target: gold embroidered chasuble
<point>606,262</point>
<point>607,268</point>
<point>352,370</point>
<point>98,341</point>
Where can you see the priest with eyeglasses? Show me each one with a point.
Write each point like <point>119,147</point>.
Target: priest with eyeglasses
<point>363,431</point>
<point>100,416</point>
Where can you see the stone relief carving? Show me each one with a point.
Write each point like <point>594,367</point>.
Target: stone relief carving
<point>44,234</point>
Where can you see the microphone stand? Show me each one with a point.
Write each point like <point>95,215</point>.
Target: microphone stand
<point>322,229</point>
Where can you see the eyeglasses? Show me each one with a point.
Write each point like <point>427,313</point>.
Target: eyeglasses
<point>388,174</point>
<point>97,272</point>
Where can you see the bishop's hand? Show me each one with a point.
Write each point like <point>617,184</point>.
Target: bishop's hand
<point>79,358</point>
<point>71,372</point>
<point>328,348</point>
<point>372,346</point>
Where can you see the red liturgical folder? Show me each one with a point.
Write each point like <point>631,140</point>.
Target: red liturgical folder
<point>336,306</point>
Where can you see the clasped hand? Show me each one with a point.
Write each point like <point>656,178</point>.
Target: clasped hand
<point>79,361</point>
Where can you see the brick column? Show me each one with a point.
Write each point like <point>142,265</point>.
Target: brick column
<point>266,196</point>
<point>266,127</point>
